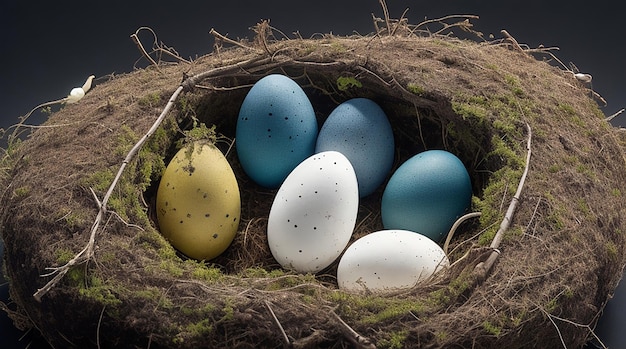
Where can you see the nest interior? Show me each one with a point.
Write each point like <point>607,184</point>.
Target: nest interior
<point>560,259</point>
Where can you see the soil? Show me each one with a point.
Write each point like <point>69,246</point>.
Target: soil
<point>560,259</point>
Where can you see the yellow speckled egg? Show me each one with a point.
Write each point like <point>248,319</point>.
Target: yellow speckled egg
<point>198,203</point>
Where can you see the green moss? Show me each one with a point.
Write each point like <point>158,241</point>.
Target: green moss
<point>102,293</point>
<point>63,255</point>
<point>76,276</point>
<point>516,87</point>
<point>255,272</point>
<point>583,207</point>
<point>200,133</point>
<point>75,219</point>
<point>441,297</point>
<point>612,251</point>
<point>21,192</point>
<point>347,82</point>
<point>200,328</point>
<point>371,309</point>
<point>309,299</point>
<point>554,168</point>
<point>99,181</point>
<point>492,328</point>
<point>172,267</point>
<point>470,110</point>
<point>203,272</point>
<point>150,100</point>
<point>395,340</point>
<point>568,109</point>
<point>415,88</point>
<point>150,293</point>
<point>338,47</point>
<point>229,311</point>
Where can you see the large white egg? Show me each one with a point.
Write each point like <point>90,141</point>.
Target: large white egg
<point>276,130</point>
<point>426,194</point>
<point>314,213</point>
<point>389,260</point>
<point>359,129</point>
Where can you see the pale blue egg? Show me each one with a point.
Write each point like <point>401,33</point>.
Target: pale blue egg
<point>426,194</point>
<point>359,129</point>
<point>276,130</point>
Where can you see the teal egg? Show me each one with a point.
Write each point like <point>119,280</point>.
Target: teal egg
<point>426,194</point>
<point>276,130</point>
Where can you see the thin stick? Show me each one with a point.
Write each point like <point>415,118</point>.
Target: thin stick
<point>286,341</point>
<point>395,28</point>
<point>484,267</point>
<point>512,40</point>
<point>230,41</point>
<point>441,19</point>
<point>611,117</point>
<point>353,336</point>
<point>143,51</point>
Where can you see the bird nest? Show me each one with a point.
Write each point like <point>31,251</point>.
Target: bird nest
<point>534,270</point>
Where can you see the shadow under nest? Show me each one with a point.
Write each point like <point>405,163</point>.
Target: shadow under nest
<point>560,261</point>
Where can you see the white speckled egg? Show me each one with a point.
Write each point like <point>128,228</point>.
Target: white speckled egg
<point>198,204</point>
<point>426,194</point>
<point>359,129</point>
<point>276,130</point>
<point>389,260</point>
<point>314,213</point>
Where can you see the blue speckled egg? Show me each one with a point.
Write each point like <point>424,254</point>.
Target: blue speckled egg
<point>359,129</point>
<point>426,194</point>
<point>276,130</point>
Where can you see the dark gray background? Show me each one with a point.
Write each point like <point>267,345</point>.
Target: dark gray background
<point>49,47</point>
